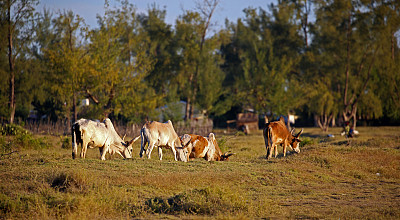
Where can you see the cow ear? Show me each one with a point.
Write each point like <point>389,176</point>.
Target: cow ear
<point>211,136</point>
<point>291,131</point>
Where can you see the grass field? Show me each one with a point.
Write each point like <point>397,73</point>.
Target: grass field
<point>328,179</point>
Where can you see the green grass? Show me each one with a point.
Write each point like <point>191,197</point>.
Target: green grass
<point>330,178</point>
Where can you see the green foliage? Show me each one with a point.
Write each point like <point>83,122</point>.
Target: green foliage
<point>28,141</point>
<point>13,129</point>
<point>134,63</point>
<point>21,138</point>
<point>172,111</point>
<point>66,142</point>
<point>308,141</point>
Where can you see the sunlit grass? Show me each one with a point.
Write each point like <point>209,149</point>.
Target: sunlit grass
<point>330,178</point>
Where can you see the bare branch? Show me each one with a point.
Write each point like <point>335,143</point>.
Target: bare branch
<point>92,97</point>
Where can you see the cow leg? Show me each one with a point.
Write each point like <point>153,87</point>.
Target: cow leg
<point>160,153</point>
<point>84,149</point>
<point>284,148</point>
<point>174,152</point>
<point>276,150</point>
<point>101,149</point>
<point>74,144</point>
<point>149,150</point>
<point>106,147</point>
<point>271,150</point>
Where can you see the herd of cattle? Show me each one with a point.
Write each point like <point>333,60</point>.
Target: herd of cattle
<point>102,135</point>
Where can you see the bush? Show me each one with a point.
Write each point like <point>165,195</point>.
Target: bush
<point>66,142</point>
<point>13,129</point>
<point>26,140</point>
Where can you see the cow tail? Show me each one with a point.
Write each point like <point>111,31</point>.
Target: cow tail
<point>142,143</point>
<point>269,137</point>
<point>74,145</point>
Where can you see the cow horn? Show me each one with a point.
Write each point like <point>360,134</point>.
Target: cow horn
<point>228,154</point>
<point>123,138</point>
<point>187,144</point>
<point>135,139</point>
<point>300,133</point>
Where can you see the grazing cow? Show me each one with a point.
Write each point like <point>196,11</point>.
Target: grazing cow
<point>160,135</point>
<point>203,147</point>
<point>276,133</point>
<point>93,134</point>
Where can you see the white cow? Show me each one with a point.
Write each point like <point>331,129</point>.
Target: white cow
<point>160,135</point>
<point>93,134</point>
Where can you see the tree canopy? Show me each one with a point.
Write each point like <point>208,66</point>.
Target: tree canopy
<point>325,60</point>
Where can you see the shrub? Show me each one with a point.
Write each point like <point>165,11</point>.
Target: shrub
<point>26,140</point>
<point>12,129</point>
<point>66,142</point>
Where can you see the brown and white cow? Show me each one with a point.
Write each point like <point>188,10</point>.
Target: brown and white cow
<point>161,135</point>
<point>93,134</point>
<point>197,146</point>
<point>276,133</point>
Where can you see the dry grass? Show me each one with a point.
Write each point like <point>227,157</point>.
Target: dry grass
<point>328,179</point>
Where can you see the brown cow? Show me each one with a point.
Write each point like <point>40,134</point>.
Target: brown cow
<point>276,133</point>
<point>203,147</point>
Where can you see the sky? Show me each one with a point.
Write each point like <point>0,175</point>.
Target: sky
<point>88,9</point>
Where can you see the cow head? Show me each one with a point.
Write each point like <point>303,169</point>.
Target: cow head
<point>213,141</point>
<point>183,151</point>
<point>295,141</point>
<point>128,147</point>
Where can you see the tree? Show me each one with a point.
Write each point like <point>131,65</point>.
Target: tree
<point>66,58</point>
<point>191,33</point>
<point>198,74</point>
<point>347,36</point>
<point>118,51</point>
<point>386,79</point>
<point>18,14</point>
<point>161,46</point>
<point>263,52</point>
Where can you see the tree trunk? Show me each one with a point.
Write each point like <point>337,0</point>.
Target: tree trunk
<point>324,121</point>
<point>187,110</point>
<point>11,64</point>
<point>74,107</point>
<point>349,114</point>
<point>393,47</point>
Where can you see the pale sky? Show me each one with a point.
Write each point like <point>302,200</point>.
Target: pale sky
<point>88,9</point>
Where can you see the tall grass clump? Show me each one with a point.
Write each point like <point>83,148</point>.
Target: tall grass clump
<point>307,141</point>
<point>205,201</point>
